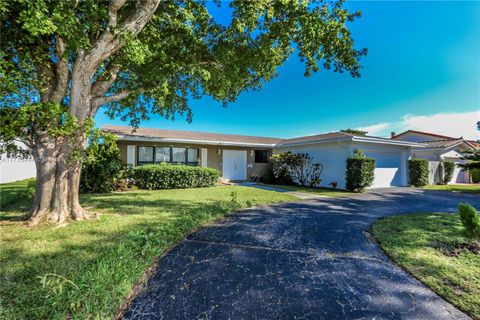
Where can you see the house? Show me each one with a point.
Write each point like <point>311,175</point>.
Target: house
<point>438,148</point>
<point>17,166</point>
<point>238,157</point>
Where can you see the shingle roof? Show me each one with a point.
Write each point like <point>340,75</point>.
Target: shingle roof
<point>423,133</point>
<point>446,143</point>
<point>189,135</point>
<point>317,137</point>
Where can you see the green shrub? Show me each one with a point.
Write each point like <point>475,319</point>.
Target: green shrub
<point>172,176</point>
<point>448,169</point>
<point>418,172</point>
<point>475,173</point>
<point>470,220</point>
<point>102,170</point>
<point>360,172</point>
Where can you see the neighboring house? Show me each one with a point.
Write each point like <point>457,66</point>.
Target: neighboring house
<point>239,157</point>
<point>439,148</point>
<point>14,167</point>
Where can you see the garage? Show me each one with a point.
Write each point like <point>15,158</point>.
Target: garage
<point>388,171</point>
<point>459,176</point>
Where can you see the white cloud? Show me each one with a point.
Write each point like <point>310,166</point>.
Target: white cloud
<point>375,129</point>
<point>450,124</point>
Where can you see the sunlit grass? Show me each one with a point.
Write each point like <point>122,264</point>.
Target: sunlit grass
<point>427,246</point>
<point>327,192</point>
<point>86,269</point>
<point>464,188</point>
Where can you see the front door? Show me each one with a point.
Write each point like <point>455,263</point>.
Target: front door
<point>235,164</point>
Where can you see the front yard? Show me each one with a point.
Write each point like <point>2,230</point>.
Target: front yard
<point>462,188</point>
<point>87,269</point>
<point>433,248</point>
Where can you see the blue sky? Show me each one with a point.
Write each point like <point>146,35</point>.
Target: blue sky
<point>422,72</point>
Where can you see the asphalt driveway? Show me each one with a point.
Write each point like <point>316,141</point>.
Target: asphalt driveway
<point>307,260</point>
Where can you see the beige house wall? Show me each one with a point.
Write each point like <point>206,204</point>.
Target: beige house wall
<point>214,154</point>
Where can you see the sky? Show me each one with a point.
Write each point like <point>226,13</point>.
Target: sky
<point>422,72</point>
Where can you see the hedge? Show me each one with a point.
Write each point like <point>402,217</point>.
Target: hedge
<point>418,172</point>
<point>448,169</point>
<point>172,176</point>
<point>360,173</point>
<point>475,173</point>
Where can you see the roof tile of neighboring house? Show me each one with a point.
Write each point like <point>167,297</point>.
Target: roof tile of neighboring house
<point>447,143</point>
<point>423,133</point>
<point>188,135</point>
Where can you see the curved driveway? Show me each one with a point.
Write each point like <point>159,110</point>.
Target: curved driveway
<point>305,260</point>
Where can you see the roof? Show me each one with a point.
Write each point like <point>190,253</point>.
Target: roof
<point>142,134</point>
<point>424,133</point>
<point>447,143</point>
<point>126,133</point>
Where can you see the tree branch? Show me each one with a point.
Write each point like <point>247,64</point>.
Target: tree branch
<point>109,76</point>
<point>62,73</point>
<point>113,8</point>
<point>98,101</point>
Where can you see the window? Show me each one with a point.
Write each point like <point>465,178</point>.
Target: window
<point>148,155</point>
<point>192,156</point>
<point>261,156</point>
<point>162,154</point>
<point>145,155</point>
<point>179,155</point>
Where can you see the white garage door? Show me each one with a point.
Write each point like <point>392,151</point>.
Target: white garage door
<point>387,171</point>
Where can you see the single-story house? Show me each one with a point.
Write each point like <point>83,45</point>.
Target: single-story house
<point>238,157</point>
<point>438,148</point>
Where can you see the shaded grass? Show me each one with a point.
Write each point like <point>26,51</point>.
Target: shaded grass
<point>16,193</point>
<point>468,188</point>
<point>86,269</point>
<point>427,246</point>
<point>327,192</point>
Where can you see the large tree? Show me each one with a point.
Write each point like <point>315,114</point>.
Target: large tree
<point>63,60</point>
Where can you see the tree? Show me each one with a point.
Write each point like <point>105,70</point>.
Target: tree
<point>63,60</point>
<point>355,132</point>
<point>473,157</point>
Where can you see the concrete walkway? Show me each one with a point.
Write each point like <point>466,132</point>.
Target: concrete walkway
<point>306,260</point>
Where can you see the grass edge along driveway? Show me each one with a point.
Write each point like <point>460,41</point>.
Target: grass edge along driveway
<point>87,269</point>
<point>432,247</point>
<point>462,188</point>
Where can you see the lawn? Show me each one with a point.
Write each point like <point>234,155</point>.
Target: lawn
<point>87,269</point>
<point>433,248</point>
<point>327,192</point>
<point>464,188</point>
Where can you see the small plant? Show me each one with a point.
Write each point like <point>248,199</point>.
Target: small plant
<point>418,172</point>
<point>360,172</point>
<point>470,220</point>
<point>448,169</point>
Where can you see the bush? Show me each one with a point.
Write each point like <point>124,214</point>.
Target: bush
<point>448,169</point>
<point>470,220</point>
<point>418,172</point>
<point>296,167</point>
<point>172,176</point>
<point>475,173</point>
<point>360,172</point>
<point>102,170</point>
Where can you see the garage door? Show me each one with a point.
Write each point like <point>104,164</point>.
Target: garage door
<point>459,176</point>
<point>387,171</point>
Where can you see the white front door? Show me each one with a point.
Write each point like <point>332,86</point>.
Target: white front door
<point>235,164</point>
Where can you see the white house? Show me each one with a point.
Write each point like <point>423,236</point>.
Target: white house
<point>439,148</point>
<point>14,167</point>
<point>239,157</point>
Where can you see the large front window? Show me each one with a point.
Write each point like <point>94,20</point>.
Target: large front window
<point>148,155</point>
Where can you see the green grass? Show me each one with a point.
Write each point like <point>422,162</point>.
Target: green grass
<point>327,192</point>
<point>468,188</point>
<point>86,269</point>
<point>427,245</point>
<point>16,192</point>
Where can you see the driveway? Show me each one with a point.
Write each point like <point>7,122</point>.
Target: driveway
<point>305,260</point>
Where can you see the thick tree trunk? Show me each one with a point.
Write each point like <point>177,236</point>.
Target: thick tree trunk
<point>44,152</point>
<point>60,208</point>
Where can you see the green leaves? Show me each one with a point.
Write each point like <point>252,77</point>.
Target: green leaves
<point>418,172</point>
<point>360,172</point>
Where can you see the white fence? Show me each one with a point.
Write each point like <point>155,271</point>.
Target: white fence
<point>13,169</point>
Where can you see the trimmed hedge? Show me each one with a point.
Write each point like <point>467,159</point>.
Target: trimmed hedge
<point>360,173</point>
<point>418,172</point>
<point>470,219</point>
<point>448,169</point>
<point>172,176</point>
<point>475,173</point>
